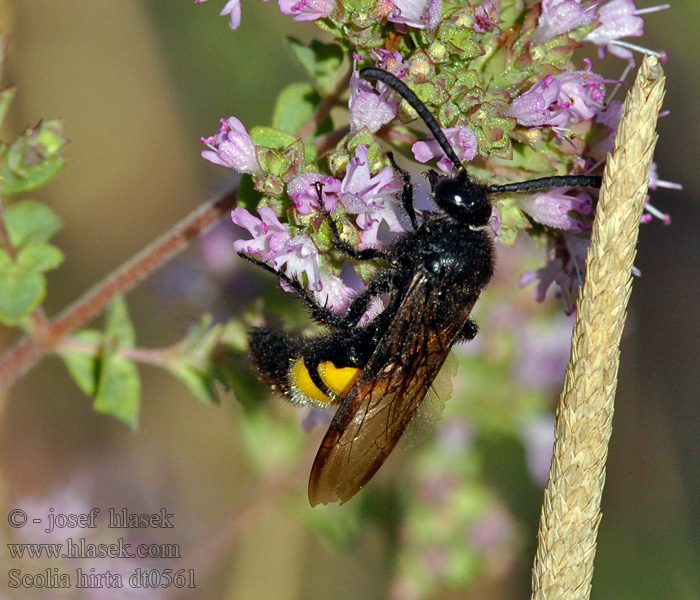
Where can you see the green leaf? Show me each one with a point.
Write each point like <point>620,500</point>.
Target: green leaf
<point>83,367</point>
<point>21,291</point>
<point>200,384</point>
<point>49,136</point>
<point>271,137</point>
<point>119,389</point>
<point>32,159</point>
<point>235,335</point>
<point>320,61</point>
<point>119,331</point>
<point>273,162</point>
<point>294,107</point>
<point>30,222</point>
<point>230,366</point>
<point>201,335</point>
<point>13,183</point>
<point>22,286</point>
<point>6,262</point>
<point>38,258</point>
<point>311,152</point>
<point>340,528</point>
<point>192,363</point>
<point>210,353</point>
<point>110,378</point>
<point>6,97</point>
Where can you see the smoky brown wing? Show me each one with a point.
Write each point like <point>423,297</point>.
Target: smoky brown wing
<point>376,411</point>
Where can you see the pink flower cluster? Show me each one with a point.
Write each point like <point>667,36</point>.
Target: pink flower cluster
<point>559,101</point>
<point>372,198</point>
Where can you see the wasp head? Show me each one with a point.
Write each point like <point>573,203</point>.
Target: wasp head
<point>461,198</point>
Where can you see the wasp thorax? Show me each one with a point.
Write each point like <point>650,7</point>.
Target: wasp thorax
<point>463,200</point>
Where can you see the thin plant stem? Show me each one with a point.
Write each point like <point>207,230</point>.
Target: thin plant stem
<point>48,334</point>
<point>30,349</point>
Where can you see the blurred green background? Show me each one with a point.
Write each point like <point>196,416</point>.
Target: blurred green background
<point>137,82</point>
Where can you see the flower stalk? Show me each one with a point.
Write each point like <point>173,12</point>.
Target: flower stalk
<point>571,509</point>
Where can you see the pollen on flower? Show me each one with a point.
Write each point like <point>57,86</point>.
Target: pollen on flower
<point>652,212</point>
<point>307,10</point>
<point>486,17</point>
<point>554,207</point>
<point>334,292</point>
<point>655,183</point>
<point>391,61</point>
<point>302,191</point>
<point>421,14</point>
<point>565,267</point>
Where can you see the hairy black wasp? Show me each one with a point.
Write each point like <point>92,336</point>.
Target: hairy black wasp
<point>377,374</point>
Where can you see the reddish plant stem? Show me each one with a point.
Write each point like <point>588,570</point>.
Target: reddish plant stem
<point>324,108</point>
<point>30,349</point>
<point>329,141</point>
<point>152,356</point>
<point>397,137</point>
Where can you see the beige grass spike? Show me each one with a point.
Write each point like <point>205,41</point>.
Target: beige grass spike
<point>571,513</point>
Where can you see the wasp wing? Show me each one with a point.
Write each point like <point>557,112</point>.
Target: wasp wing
<point>379,406</point>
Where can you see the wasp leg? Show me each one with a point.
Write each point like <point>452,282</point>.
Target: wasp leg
<point>381,284</point>
<point>407,192</point>
<point>339,243</point>
<point>469,331</point>
<point>319,313</point>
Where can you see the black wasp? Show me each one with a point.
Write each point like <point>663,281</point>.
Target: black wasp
<point>377,374</point>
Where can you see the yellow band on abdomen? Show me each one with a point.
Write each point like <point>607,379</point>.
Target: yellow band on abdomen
<point>338,380</point>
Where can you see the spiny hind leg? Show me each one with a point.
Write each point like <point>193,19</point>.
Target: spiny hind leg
<point>380,284</point>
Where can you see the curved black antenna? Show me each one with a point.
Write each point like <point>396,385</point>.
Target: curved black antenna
<point>544,183</point>
<point>409,96</point>
<point>547,183</point>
